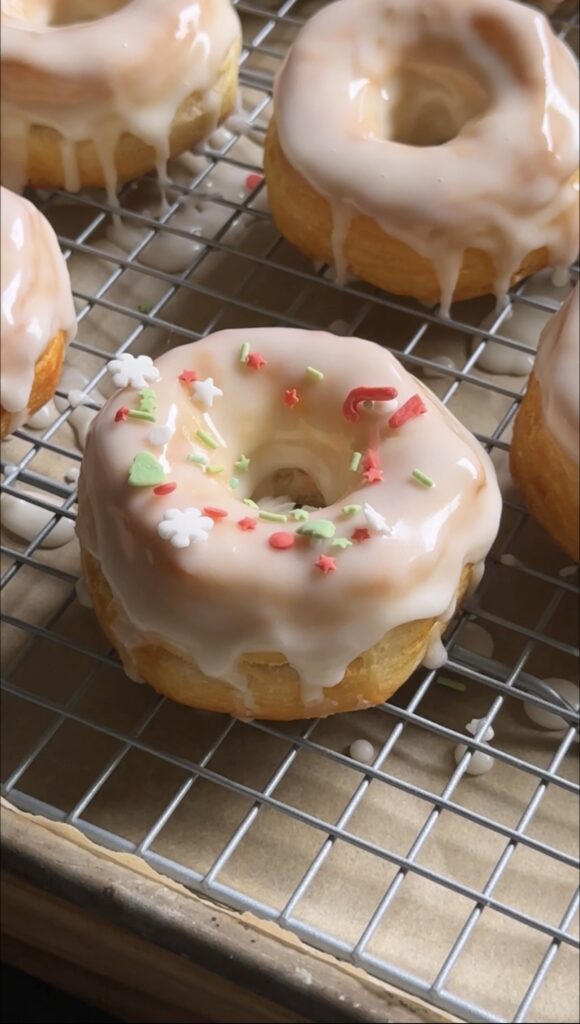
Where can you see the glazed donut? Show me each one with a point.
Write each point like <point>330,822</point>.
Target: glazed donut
<point>544,452</point>
<point>223,599</point>
<point>38,316</point>
<point>95,92</point>
<point>430,147</point>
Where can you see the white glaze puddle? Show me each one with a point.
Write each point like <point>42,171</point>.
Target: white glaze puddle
<point>549,719</point>
<point>25,520</point>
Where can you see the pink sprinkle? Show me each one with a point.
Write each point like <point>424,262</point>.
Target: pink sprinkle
<point>291,397</point>
<point>282,540</point>
<point>247,523</point>
<point>373,476</point>
<point>361,533</point>
<point>187,376</point>
<point>255,361</point>
<point>252,181</point>
<point>214,513</point>
<point>371,459</point>
<point>121,414</point>
<point>326,564</point>
<point>164,488</point>
<point>414,406</point>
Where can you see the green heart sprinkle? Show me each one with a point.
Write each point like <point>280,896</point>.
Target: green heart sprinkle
<point>146,471</point>
<point>300,514</point>
<point>200,460</point>
<point>242,463</point>
<point>206,438</point>
<point>234,482</point>
<point>341,542</point>
<point>314,374</point>
<point>272,517</point>
<point>244,352</point>
<point>251,503</point>
<point>355,461</point>
<point>422,478</point>
<point>351,510</point>
<point>320,529</point>
<point>214,470</point>
<point>142,414</point>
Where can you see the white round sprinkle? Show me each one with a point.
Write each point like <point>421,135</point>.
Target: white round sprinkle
<point>549,719</point>
<point>479,763</point>
<point>362,750</point>
<point>477,639</point>
<point>474,726</point>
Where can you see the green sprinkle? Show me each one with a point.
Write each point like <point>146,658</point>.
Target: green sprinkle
<point>355,461</point>
<point>147,400</point>
<point>451,684</point>
<point>242,463</point>
<point>234,482</point>
<point>206,438</point>
<point>320,529</point>
<point>251,503</point>
<point>145,308</point>
<point>142,414</point>
<point>272,517</point>
<point>200,460</point>
<point>244,352</point>
<point>422,478</point>
<point>313,373</point>
<point>300,514</point>
<point>341,542</point>
<point>214,470</point>
<point>146,471</point>
<point>351,510</point>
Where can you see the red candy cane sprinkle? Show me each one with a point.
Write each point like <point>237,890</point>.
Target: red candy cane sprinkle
<point>255,361</point>
<point>253,180</point>
<point>281,540</point>
<point>247,523</point>
<point>414,406</point>
<point>291,397</point>
<point>187,376</point>
<point>214,513</point>
<point>359,395</point>
<point>121,414</point>
<point>164,488</point>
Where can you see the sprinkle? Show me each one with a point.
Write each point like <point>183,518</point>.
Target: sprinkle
<point>272,517</point>
<point>214,513</point>
<point>373,476</point>
<point>375,520</point>
<point>214,470</point>
<point>253,180</point>
<point>320,529</point>
<point>371,459</point>
<point>291,397</point>
<point>361,534</point>
<point>161,434</point>
<point>282,540</point>
<point>144,307</point>
<point>422,478</point>
<point>251,502</point>
<point>451,684</point>
<point>234,482</point>
<point>244,352</point>
<point>242,463</point>
<point>200,460</point>
<point>182,527</point>
<point>205,391</point>
<point>132,371</point>
<point>351,510</point>
<point>187,376</point>
<point>121,414</point>
<point>206,438</point>
<point>359,395</point>
<point>255,361</point>
<point>164,488</point>
<point>314,374</point>
<point>300,514</point>
<point>355,461</point>
<point>147,400</point>
<point>341,543</point>
<point>414,406</point>
<point>146,471</point>
<point>325,564</point>
<point>140,414</point>
<point>247,523</point>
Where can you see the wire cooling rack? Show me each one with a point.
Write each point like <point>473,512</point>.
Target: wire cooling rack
<point>80,736</point>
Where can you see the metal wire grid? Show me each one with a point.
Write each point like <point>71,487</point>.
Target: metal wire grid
<point>262,50</point>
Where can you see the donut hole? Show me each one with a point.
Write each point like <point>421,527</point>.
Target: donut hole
<point>429,104</point>
<point>293,484</point>
<point>72,12</point>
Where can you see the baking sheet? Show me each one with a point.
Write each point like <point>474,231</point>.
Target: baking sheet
<point>424,919</point>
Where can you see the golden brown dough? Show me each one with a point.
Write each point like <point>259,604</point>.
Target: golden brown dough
<point>47,373</point>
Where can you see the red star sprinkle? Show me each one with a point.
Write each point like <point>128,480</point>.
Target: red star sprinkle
<point>282,540</point>
<point>255,361</point>
<point>291,397</point>
<point>164,489</point>
<point>373,476</point>
<point>253,180</point>
<point>214,513</point>
<point>371,459</point>
<point>247,523</point>
<point>187,376</point>
<point>121,414</point>
<point>326,564</point>
<point>361,533</point>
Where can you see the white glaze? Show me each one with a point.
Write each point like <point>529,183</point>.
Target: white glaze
<point>479,763</point>
<point>557,370</point>
<point>36,298</point>
<point>550,719</point>
<point>26,520</point>
<point>234,593</point>
<point>505,108</point>
<point>128,70</point>
<point>475,638</point>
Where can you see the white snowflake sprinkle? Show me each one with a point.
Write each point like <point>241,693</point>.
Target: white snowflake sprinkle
<point>376,521</point>
<point>182,527</point>
<point>205,391</point>
<point>134,371</point>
